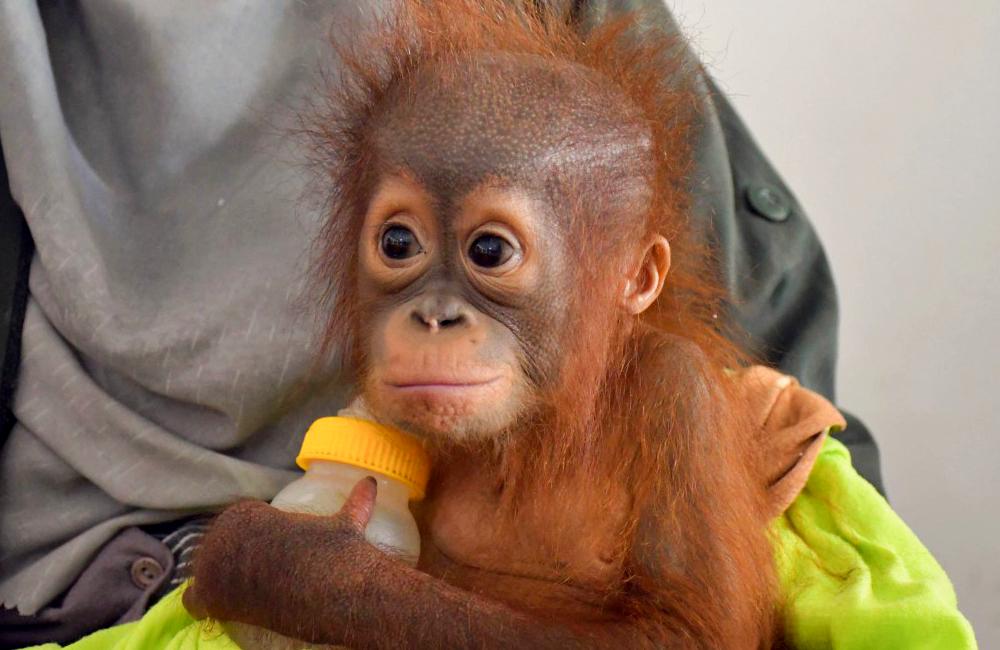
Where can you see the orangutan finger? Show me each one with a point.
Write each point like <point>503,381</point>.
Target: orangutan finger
<point>360,504</point>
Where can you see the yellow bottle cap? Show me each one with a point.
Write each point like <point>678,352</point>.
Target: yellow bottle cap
<point>373,446</point>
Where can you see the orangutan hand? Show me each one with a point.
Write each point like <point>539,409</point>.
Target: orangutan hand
<point>250,565</point>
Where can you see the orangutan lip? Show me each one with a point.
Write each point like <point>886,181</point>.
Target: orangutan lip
<point>442,385</point>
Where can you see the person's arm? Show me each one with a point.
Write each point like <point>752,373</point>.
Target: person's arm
<point>778,276</point>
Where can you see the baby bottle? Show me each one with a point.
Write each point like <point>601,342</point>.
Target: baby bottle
<point>337,453</point>
<point>340,451</point>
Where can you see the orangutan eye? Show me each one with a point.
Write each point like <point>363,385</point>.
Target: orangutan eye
<point>399,243</point>
<point>490,251</point>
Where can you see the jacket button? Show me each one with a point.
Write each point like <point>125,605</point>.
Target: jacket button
<point>146,572</point>
<point>769,202</point>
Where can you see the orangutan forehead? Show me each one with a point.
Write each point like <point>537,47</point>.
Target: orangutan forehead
<point>516,117</point>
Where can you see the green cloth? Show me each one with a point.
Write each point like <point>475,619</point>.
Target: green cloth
<point>167,626</point>
<point>853,575</point>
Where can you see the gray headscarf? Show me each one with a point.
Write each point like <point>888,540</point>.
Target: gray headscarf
<point>167,363</point>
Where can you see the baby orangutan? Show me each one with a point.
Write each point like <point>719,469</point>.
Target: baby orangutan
<point>508,201</point>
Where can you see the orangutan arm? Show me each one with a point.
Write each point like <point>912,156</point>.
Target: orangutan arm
<point>317,579</point>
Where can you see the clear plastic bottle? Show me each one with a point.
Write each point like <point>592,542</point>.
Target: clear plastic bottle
<point>337,453</point>
<point>340,451</point>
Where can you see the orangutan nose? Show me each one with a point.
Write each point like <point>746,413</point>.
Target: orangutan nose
<point>437,312</point>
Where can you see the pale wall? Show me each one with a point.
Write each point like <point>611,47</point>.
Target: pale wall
<point>884,117</point>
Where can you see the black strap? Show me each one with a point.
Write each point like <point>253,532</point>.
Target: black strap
<point>16,249</point>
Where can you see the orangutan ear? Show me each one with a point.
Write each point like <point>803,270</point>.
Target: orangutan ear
<point>647,282</point>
